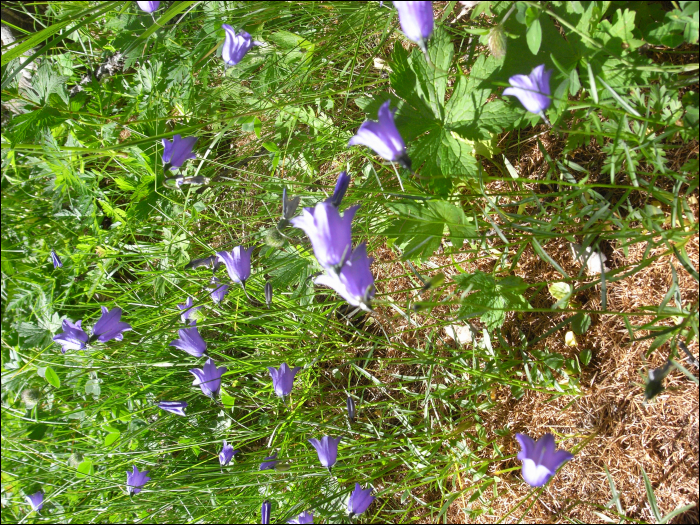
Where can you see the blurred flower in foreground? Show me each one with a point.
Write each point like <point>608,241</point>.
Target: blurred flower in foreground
<point>355,282</point>
<point>135,480</point>
<point>327,449</point>
<point>73,337</point>
<point>110,326</point>
<point>283,379</point>
<point>329,233</point>
<point>237,263</point>
<point>176,407</point>
<point>416,20</point>
<point>531,90</point>
<point>383,137</point>
<point>304,517</point>
<point>190,341</point>
<point>341,186</point>
<point>265,512</point>
<point>269,463</point>
<point>226,454</point>
<point>208,378</point>
<point>235,45</point>
<point>149,7</point>
<point>36,500</point>
<point>218,293</point>
<point>351,409</point>
<point>175,153</point>
<point>540,459</point>
<point>55,260</point>
<point>189,312</point>
<point>360,500</point>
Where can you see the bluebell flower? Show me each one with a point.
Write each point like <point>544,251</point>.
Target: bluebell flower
<point>327,449</point>
<point>341,187</point>
<point>304,517</point>
<point>189,312</point>
<point>219,292</point>
<point>540,458</point>
<point>190,341</point>
<point>56,261</point>
<point>354,282</point>
<point>265,512</point>
<point>351,409</point>
<point>149,7</point>
<point>73,337</point>
<point>269,463</point>
<point>283,379</point>
<point>383,137</point>
<point>360,500</point>
<point>36,500</point>
<point>110,326</point>
<point>237,263</point>
<point>175,153</point>
<point>226,454</point>
<point>329,233</point>
<point>236,46</point>
<point>208,378</point>
<point>135,480</point>
<point>531,90</point>
<point>175,407</point>
<point>416,20</point>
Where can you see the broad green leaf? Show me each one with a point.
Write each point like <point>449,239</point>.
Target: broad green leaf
<point>85,469</point>
<point>111,438</point>
<point>534,36</point>
<point>52,377</point>
<point>490,299</point>
<point>580,323</point>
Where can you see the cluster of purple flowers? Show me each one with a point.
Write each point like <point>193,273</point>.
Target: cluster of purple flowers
<point>108,327</point>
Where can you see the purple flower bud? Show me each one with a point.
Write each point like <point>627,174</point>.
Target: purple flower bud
<point>268,294</point>
<point>283,379</point>
<point>135,480</point>
<point>189,312</point>
<point>329,233</point>
<point>341,187</point>
<point>36,500</point>
<point>208,378</point>
<point>190,341</point>
<point>149,7</point>
<point>360,500</point>
<point>383,137</point>
<point>416,20</point>
<point>327,449</point>
<point>289,206</point>
<point>269,463</point>
<point>304,517</point>
<point>235,45</point>
<point>265,512</point>
<point>73,337</point>
<point>176,407</point>
<point>355,282</point>
<point>351,409</point>
<point>533,90</point>
<point>237,263</point>
<point>109,326</point>
<point>175,153</point>
<point>219,292</point>
<point>226,454</point>
<point>540,459</point>
<point>56,261</point>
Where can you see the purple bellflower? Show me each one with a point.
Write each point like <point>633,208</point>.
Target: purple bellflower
<point>265,512</point>
<point>327,449</point>
<point>190,341</point>
<point>236,46</point>
<point>531,90</point>
<point>226,454</point>
<point>417,21</point>
<point>55,260</point>
<point>540,458</point>
<point>304,517</point>
<point>360,500</point>
<point>383,137</point>
<point>175,153</point>
<point>149,7</point>
<point>355,282</point>
<point>135,480</point>
<point>209,378</point>
<point>269,463</point>
<point>218,293</point>
<point>189,312</point>
<point>237,263</point>
<point>36,500</point>
<point>341,186</point>
<point>329,233</point>
<point>176,407</point>
<point>283,379</point>
<point>73,336</point>
<point>110,326</point>
<point>351,409</point>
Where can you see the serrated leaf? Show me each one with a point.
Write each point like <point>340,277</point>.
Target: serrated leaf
<point>52,377</point>
<point>490,299</point>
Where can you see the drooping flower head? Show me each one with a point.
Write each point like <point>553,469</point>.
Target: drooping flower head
<point>189,312</point>
<point>175,153</point>
<point>327,449</point>
<point>36,500</point>
<point>304,517</point>
<point>329,233</point>
<point>531,90</point>
<point>540,458</point>
<point>383,137</point>
<point>55,260</point>
<point>237,263</point>
<point>149,7</point>
<point>226,454</point>
<point>190,341</point>
<point>219,292</point>
<point>235,45</point>
<point>269,463</point>
<point>135,480</point>
<point>360,500</point>
<point>351,409</point>
<point>73,337</point>
<point>175,407</point>
<point>355,282</point>
<point>283,379</point>
<point>265,512</point>
<point>341,186</point>
<point>208,378</point>
<point>289,206</point>
<point>110,326</point>
<point>416,20</point>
